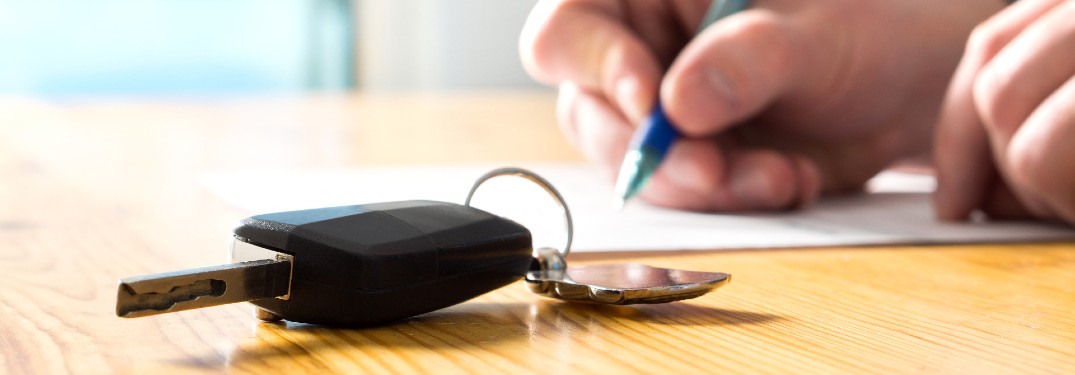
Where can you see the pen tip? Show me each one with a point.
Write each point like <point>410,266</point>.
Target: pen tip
<point>631,176</point>
<point>624,183</point>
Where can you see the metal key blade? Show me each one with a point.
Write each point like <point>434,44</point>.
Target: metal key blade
<point>202,287</point>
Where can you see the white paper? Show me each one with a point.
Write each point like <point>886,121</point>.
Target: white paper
<point>895,211</point>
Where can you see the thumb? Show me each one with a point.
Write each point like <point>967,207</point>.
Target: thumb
<point>729,73</point>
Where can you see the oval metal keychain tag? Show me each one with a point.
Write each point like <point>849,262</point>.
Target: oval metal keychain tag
<point>615,284</point>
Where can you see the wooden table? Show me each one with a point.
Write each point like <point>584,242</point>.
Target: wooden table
<point>92,191</point>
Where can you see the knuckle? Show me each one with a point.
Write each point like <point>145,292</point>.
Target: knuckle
<point>994,98</point>
<point>1032,174</point>
<point>775,184</point>
<point>1024,165</point>
<point>985,41</point>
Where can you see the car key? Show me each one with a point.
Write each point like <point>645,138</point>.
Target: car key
<point>376,263</point>
<point>352,265</point>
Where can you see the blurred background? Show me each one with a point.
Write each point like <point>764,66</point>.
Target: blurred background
<point>64,48</point>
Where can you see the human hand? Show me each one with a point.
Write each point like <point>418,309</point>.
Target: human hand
<point>777,103</point>
<point>1006,138</point>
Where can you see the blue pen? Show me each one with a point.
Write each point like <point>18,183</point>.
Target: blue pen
<point>655,135</point>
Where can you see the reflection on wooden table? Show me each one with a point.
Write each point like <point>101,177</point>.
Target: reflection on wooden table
<point>98,190</point>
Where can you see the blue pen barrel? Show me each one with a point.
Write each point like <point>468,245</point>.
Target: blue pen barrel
<point>656,134</point>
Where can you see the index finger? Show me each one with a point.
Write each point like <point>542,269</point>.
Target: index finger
<point>590,44</point>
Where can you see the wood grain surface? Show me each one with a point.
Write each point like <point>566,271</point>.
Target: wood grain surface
<point>92,191</point>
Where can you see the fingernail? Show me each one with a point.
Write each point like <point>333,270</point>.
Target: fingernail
<point>810,182</point>
<point>685,174</point>
<point>721,86</point>
<point>752,188</point>
<point>628,99</point>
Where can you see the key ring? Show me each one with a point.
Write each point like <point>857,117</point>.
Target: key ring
<point>540,181</point>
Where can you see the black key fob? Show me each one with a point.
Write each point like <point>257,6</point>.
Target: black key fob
<point>376,263</point>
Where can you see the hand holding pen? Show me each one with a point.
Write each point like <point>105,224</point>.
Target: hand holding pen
<point>653,139</point>
<point>774,103</point>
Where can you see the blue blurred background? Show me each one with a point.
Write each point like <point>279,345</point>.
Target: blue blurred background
<point>167,47</point>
